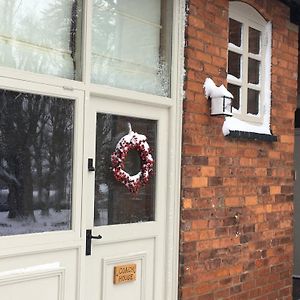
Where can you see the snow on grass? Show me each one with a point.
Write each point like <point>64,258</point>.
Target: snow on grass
<point>55,221</point>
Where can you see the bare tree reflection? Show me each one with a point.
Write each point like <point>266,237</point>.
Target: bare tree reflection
<point>36,136</point>
<point>114,204</point>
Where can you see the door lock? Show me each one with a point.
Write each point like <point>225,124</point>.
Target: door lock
<point>88,242</point>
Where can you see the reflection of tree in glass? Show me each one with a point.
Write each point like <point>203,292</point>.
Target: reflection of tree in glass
<point>114,204</point>
<point>36,134</point>
<point>103,165</point>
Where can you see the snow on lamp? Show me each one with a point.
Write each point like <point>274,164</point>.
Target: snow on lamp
<point>220,97</point>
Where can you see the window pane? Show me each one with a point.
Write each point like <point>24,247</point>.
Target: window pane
<point>41,36</point>
<point>254,41</point>
<point>131,45</point>
<point>253,71</point>
<point>36,141</point>
<point>235,30</point>
<point>235,91</point>
<point>114,204</point>
<point>253,102</point>
<point>234,64</point>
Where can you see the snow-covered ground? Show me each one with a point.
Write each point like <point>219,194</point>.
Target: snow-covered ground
<point>103,217</point>
<point>55,221</point>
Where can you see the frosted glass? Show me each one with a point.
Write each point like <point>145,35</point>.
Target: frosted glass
<point>40,36</point>
<point>127,46</point>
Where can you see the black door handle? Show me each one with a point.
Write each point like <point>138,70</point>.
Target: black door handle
<point>91,167</point>
<point>88,242</point>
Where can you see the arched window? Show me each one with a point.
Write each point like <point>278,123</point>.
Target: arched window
<point>249,67</point>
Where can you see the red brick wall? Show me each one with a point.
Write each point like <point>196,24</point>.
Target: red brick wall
<point>237,201</point>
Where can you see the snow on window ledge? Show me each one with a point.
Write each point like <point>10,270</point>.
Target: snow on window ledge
<point>234,124</point>
<point>236,128</point>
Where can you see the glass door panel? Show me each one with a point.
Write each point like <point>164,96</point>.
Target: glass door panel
<point>113,202</point>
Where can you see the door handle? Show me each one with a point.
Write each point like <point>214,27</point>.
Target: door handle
<point>88,241</point>
<point>91,167</point>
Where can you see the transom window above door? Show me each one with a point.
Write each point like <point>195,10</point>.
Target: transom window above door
<point>41,36</point>
<point>130,46</point>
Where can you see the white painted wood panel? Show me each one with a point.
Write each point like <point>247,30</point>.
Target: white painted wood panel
<point>49,279</point>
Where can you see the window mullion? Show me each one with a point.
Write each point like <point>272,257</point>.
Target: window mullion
<point>86,41</point>
<point>244,72</point>
<point>262,78</point>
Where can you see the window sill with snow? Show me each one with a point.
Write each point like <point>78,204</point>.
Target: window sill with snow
<point>235,128</point>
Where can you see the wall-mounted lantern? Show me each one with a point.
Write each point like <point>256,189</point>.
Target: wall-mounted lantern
<point>220,97</point>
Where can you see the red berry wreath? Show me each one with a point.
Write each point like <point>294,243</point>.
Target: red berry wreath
<point>138,142</point>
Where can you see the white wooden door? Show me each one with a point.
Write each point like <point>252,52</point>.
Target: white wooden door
<point>132,226</point>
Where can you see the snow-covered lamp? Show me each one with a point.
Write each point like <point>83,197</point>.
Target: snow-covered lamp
<point>220,98</point>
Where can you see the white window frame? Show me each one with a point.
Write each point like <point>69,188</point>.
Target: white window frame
<point>249,17</point>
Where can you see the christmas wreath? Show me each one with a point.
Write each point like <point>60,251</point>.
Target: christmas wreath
<point>138,142</point>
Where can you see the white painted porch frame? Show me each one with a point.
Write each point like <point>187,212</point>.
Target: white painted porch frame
<point>24,81</point>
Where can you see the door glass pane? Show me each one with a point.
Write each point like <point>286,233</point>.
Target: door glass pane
<point>41,36</point>
<point>234,64</point>
<point>131,44</point>
<point>235,31</point>
<point>36,141</point>
<point>253,71</point>
<point>114,203</point>
<point>235,91</point>
<point>253,102</point>
<point>254,41</point>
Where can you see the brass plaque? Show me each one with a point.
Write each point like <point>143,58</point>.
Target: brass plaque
<point>124,273</point>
